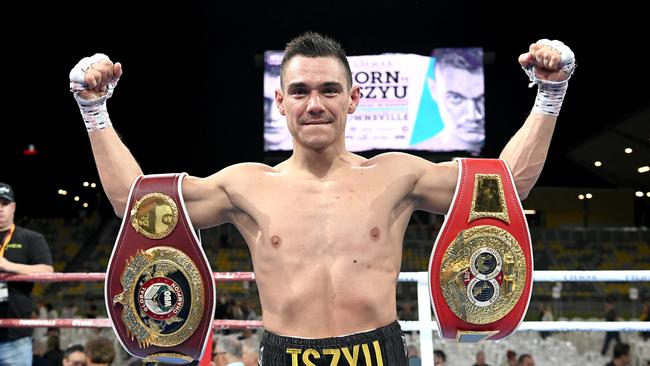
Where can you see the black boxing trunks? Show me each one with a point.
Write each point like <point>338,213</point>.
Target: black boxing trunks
<point>385,346</point>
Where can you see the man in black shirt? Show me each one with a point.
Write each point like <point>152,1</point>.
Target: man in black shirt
<point>22,251</point>
<point>610,316</point>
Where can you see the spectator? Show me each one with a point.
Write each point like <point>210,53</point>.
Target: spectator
<point>545,315</point>
<point>511,358</point>
<point>53,351</point>
<point>645,317</point>
<point>22,251</point>
<point>99,352</point>
<point>228,352</point>
<point>74,356</point>
<point>621,355</point>
<point>480,359</point>
<point>439,358</point>
<point>525,360</point>
<point>610,316</point>
<point>250,352</point>
<point>413,355</point>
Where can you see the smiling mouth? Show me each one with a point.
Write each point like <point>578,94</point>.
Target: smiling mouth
<point>316,123</point>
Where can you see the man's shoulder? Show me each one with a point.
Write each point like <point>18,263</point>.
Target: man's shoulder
<point>389,158</point>
<point>245,170</point>
<point>405,160</point>
<point>27,233</point>
<point>251,167</point>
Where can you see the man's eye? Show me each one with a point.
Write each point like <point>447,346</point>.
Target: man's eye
<point>454,98</point>
<point>299,91</point>
<point>330,91</point>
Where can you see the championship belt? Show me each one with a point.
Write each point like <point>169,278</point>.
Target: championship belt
<point>159,287</point>
<point>481,267</point>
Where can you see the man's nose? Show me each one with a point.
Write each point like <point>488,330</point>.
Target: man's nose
<point>476,109</point>
<point>315,105</point>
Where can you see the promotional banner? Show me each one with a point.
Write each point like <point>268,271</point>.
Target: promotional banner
<point>408,102</point>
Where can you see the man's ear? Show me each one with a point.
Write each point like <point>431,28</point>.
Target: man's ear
<point>279,101</point>
<point>355,97</point>
<point>433,87</point>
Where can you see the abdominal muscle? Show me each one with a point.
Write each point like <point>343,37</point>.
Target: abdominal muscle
<point>319,297</point>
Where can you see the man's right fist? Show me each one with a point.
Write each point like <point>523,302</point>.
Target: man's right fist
<point>94,78</point>
<point>92,81</point>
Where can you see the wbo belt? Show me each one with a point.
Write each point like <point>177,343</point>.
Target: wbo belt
<point>159,287</point>
<point>481,268</point>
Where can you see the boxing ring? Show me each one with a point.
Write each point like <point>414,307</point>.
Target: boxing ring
<point>425,324</point>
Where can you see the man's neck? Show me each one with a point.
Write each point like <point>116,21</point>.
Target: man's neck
<point>5,228</point>
<point>319,163</point>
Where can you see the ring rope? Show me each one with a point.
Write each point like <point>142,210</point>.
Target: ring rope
<point>538,276</point>
<point>407,325</point>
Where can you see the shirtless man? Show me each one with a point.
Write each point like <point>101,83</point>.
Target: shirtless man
<point>325,227</point>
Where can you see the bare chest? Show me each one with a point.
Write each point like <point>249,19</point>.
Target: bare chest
<point>320,217</point>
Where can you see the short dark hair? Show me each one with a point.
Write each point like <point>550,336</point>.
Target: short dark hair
<point>100,350</point>
<point>621,349</point>
<point>312,44</point>
<point>440,354</point>
<point>470,59</point>
<point>72,349</point>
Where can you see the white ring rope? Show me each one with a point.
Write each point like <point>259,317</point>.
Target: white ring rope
<point>560,276</point>
<point>556,326</point>
<point>538,276</point>
<point>407,325</point>
<point>422,278</point>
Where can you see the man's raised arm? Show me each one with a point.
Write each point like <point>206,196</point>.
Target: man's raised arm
<point>549,64</point>
<point>92,81</point>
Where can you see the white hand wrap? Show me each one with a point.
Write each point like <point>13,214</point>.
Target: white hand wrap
<point>550,94</point>
<point>93,111</point>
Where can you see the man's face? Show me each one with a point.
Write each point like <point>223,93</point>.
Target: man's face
<point>437,361</point>
<point>528,361</point>
<point>7,210</point>
<point>75,359</point>
<point>219,358</point>
<point>460,97</point>
<point>316,101</point>
<point>626,359</point>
